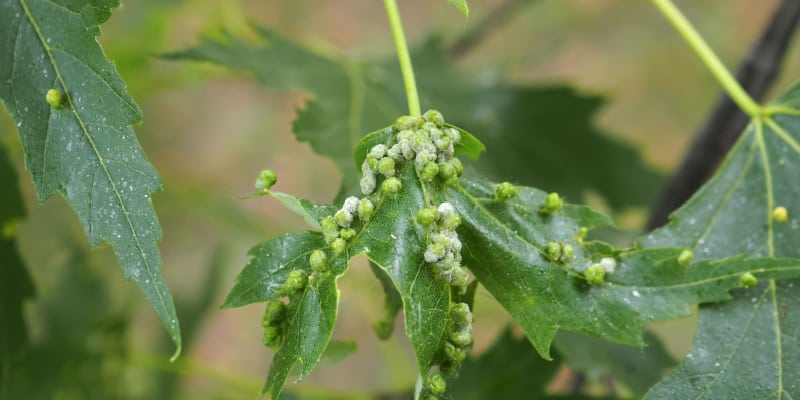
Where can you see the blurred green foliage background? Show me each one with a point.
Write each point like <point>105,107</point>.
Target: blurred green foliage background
<point>209,132</point>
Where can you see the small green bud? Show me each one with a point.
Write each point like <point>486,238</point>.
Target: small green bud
<point>436,384</point>
<point>748,280</point>
<point>780,214</point>
<point>55,98</point>
<point>274,313</point>
<point>296,280</point>
<point>265,180</point>
<point>450,219</point>
<point>377,151</point>
<point>434,117</point>
<point>372,162</point>
<point>386,166</point>
<point>434,252</point>
<point>427,216</point>
<point>391,185</point>
<point>367,183</point>
<point>347,233</point>
<point>553,250</point>
<point>431,397</point>
<point>567,253</point>
<point>505,191</point>
<point>453,353</point>
<point>461,338</point>
<point>343,218</point>
<point>552,203</point>
<point>403,123</point>
<point>460,314</point>
<point>685,257</point>
<point>429,171</point>
<point>330,229</point>
<point>365,209</point>
<point>272,336</point>
<point>318,260</point>
<point>595,274</point>
<point>338,246</point>
<point>458,166</point>
<point>447,171</point>
<point>459,284</point>
<point>582,232</point>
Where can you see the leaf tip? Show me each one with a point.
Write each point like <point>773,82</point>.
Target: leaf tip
<point>178,350</point>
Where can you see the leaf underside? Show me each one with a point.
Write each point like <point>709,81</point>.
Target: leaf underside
<point>745,348</point>
<point>85,150</point>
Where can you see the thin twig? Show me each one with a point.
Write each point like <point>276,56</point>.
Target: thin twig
<point>496,18</point>
<point>727,121</point>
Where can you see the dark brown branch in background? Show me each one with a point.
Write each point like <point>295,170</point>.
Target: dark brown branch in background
<point>482,28</point>
<point>727,121</point>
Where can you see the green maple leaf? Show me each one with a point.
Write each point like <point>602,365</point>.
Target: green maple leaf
<point>83,148</point>
<point>731,214</point>
<point>541,135</point>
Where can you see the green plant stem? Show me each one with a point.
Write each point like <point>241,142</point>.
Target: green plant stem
<point>725,78</point>
<point>404,57</point>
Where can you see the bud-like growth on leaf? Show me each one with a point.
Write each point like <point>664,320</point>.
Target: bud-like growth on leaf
<point>265,180</point>
<point>780,214</point>
<point>447,171</point>
<point>338,246</point>
<point>377,151</point>
<point>505,191</point>
<point>567,253</point>
<point>365,209</point>
<point>553,250</point>
<point>296,280</point>
<point>461,338</point>
<point>434,117</point>
<point>343,218</point>
<point>595,274</point>
<point>685,257</point>
<point>386,166</point>
<point>55,98</point>
<point>748,280</point>
<point>391,185</point>
<point>436,384</point>
<point>272,336</point>
<point>347,233</point>
<point>368,183</point>
<point>330,229</point>
<point>318,261</point>
<point>427,216</point>
<point>351,205</point>
<point>552,203</point>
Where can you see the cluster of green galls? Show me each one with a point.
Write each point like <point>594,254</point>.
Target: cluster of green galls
<point>426,140</point>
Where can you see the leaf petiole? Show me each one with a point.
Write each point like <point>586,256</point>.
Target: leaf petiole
<point>712,62</point>
<point>405,59</point>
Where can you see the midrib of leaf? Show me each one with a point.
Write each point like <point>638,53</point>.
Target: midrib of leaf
<point>100,158</point>
<point>759,130</point>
